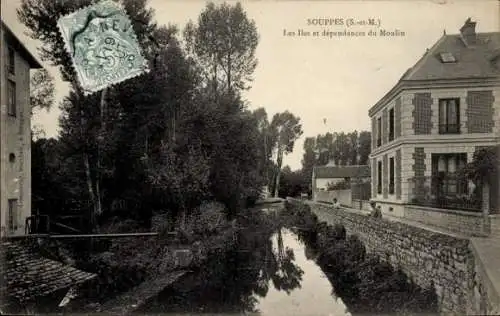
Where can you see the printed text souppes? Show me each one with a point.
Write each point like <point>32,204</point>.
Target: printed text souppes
<point>326,21</point>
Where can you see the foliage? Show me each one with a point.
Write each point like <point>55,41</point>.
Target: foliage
<point>484,165</point>
<point>287,129</point>
<point>165,140</point>
<point>292,183</point>
<point>344,148</point>
<point>351,148</point>
<point>342,185</point>
<point>363,282</point>
<point>41,89</point>
<point>224,40</point>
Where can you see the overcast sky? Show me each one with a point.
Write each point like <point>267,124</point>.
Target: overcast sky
<point>317,77</point>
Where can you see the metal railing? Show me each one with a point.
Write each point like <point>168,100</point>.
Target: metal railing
<point>447,192</point>
<point>449,128</point>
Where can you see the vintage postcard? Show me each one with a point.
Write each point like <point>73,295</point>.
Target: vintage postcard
<point>250,157</point>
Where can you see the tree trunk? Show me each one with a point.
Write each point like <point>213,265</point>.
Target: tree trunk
<point>279,162</point>
<point>229,72</point>
<point>100,141</point>
<point>86,158</point>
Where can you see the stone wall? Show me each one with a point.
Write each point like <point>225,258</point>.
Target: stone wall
<point>361,205</point>
<point>343,196</point>
<point>468,223</point>
<point>428,258</point>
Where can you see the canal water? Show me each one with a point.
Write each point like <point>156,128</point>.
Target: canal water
<point>269,274</point>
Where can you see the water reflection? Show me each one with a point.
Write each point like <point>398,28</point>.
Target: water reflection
<point>269,274</point>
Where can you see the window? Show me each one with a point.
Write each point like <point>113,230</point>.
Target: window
<point>11,61</point>
<point>379,180</point>
<point>447,57</point>
<point>446,176</point>
<point>12,214</point>
<point>449,116</point>
<point>11,98</point>
<point>391,124</point>
<point>379,132</point>
<point>12,158</point>
<point>391,175</point>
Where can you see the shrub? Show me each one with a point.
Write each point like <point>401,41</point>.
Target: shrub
<point>208,219</point>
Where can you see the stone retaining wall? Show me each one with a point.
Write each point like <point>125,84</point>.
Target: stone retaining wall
<point>472,224</point>
<point>428,258</point>
<point>343,196</point>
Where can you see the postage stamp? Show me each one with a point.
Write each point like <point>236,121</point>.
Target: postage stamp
<point>103,46</point>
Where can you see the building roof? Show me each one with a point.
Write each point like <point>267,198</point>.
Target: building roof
<point>20,48</point>
<point>27,275</point>
<point>453,58</point>
<point>331,172</point>
<point>469,61</point>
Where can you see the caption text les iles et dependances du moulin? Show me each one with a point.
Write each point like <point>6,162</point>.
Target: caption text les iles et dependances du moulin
<point>343,27</point>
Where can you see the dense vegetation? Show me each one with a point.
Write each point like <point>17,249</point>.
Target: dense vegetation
<point>364,282</point>
<point>167,140</point>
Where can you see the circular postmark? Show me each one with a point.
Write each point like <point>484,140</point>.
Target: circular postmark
<point>105,49</point>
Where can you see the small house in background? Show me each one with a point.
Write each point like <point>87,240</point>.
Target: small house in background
<point>329,182</point>
<point>15,133</point>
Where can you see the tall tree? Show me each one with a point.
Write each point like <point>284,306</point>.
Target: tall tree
<point>364,147</point>
<point>41,89</point>
<point>309,159</point>
<point>267,141</point>
<point>354,147</point>
<point>40,16</point>
<point>288,129</point>
<point>224,40</point>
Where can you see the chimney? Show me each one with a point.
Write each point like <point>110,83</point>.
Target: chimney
<point>468,32</point>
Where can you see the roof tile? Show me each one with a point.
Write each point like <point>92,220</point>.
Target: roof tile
<point>471,61</point>
<point>328,172</point>
<point>27,275</point>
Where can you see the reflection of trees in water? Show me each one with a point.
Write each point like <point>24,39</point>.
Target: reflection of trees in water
<point>286,276</point>
<point>233,281</point>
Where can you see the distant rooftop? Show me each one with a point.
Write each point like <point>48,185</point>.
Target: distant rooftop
<point>331,172</point>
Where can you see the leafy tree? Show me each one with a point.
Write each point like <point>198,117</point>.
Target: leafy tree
<point>41,89</point>
<point>163,141</point>
<point>266,138</point>
<point>224,40</point>
<point>484,165</point>
<point>364,148</point>
<point>40,16</point>
<point>288,129</point>
<point>309,160</point>
<point>293,183</point>
<point>483,170</point>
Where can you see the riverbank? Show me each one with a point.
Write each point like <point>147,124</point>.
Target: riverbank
<point>364,282</point>
<point>128,267</point>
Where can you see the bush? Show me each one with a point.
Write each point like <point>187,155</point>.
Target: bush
<point>364,282</point>
<point>118,226</point>
<point>208,219</point>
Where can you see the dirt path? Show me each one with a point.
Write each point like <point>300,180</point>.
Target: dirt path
<point>130,301</point>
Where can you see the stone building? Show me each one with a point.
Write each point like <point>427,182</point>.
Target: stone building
<point>15,133</point>
<point>345,183</point>
<point>428,126</point>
